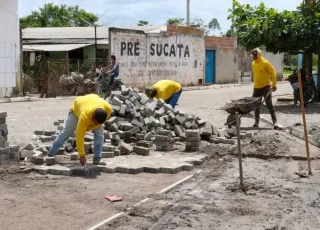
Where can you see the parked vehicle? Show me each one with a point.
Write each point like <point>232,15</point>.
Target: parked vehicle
<point>308,84</point>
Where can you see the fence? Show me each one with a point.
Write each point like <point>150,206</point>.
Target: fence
<point>46,73</point>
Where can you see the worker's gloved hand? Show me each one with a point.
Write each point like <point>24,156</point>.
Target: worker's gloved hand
<point>82,160</point>
<point>274,88</point>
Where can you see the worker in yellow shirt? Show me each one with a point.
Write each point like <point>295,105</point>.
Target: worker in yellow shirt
<point>167,90</point>
<point>263,73</point>
<point>87,113</point>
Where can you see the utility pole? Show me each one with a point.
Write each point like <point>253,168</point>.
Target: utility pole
<point>232,27</point>
<point>188,12</point>
<point>95,34</point>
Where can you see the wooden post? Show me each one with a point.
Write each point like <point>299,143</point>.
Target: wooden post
<point>304,121</point>
<point>239,151</point>
<point>78,66</point>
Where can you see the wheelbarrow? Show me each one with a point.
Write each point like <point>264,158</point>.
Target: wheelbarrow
<point>242,106</point>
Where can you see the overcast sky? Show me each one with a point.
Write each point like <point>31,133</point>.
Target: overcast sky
<point>129,12</point>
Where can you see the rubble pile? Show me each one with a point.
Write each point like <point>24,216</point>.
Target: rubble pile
<point>7,152</point>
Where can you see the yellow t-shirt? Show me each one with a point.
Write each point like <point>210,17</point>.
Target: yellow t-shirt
<point>165,89</point>
<point>83,108</point>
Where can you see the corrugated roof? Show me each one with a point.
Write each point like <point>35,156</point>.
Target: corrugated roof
<point>55,47</point>
<point>80,32</point>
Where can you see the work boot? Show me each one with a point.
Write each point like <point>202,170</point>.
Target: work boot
<point>98,162</point>
<point>256,124</point>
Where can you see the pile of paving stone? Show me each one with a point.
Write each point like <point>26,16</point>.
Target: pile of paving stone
<point>138,125</point>
<point>7,152</point>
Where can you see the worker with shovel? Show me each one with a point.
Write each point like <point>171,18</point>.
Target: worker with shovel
<point>167,90</point>
<point>262,71</point>
<point>87,113</point>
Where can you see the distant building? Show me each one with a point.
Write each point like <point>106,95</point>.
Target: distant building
<point>9,47</point>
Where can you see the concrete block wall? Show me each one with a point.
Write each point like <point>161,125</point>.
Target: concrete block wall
<point>276,60</point>
<point>147,58</point>
<point>226,58</point>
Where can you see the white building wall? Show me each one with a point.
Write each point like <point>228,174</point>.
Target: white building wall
<point>9,46</point>
<point>147,58</point>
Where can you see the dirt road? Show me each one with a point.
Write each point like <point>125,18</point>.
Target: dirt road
<point>208,202</point>
<point>276,198</point>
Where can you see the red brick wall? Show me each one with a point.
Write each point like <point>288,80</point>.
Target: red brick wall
<point>225,43</point>
<point>183,30</point>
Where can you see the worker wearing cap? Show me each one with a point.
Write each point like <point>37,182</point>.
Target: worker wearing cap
<point>87,113</point>
<point>167,90</point>
<point>263,75</point>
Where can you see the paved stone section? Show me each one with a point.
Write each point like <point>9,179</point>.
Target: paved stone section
<point>132,164</point>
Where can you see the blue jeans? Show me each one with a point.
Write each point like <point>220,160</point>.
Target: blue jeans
<point>113,75</point>
<point>68,131</point>
<point>173,100</point>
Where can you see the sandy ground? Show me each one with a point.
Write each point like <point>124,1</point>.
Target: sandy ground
<point>275,198</point>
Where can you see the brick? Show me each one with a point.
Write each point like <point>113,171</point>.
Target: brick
<point>161,138</point>
<point>36,155</point>
<point>49,133</point>
<point>200,122</point>
<point>172,116</point>
<point>121,98</point>
<point>167,107</point>
<point>117,152</point>
<point>14,148</point>
<point>5,132</point>
<point>56,123</point>
<point>146,144</point>
<point>74,156</point>
<point>27,153</point>
<point>148,136</point>
<point>134,130</point>
<point>141,150</point>
<point>192,133</point>
<point>3,127</point>
<point>29,146</point>
<point>144,99</point>
<point>193,139</point>
<point>60,127</point>
<point>106,134</point>
<point>112,120</point>
<point>164,132</point>
<point>38,161</point>
<point>2,121</point>
<point>61,121</point>
<point>15,156</point>
<point>158,148</point>
<point>162,122</point>
<point>39,132</point>
<point>107,154</point>
<point>147,121</point>
<point>163,143</point>
<point>188,125</point>
<point>114,127</point>
<point>178,131</point>
<point>116,109</point>
<point>207,129</point>
<point>126,148</point>
<point>122,111</point>
<point>50,161</point>
<point>151,106</point>
<point>3,114</point>
<point>115,101</point>
<point>108,148</point>
<point>139,136</point>
<point>191,149</point>
<point>137,123</point>
<point>193,143</point>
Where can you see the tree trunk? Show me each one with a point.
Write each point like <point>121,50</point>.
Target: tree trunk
<point>309,63</point>
<point>318,77</point>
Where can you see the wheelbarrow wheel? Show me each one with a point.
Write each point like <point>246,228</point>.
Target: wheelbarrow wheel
<point>231,121</point>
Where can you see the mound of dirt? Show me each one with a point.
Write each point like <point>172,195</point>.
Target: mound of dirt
<point>268,144</point>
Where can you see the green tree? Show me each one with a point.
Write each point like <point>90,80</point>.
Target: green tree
<point>58,16</point>
<point>287,31</point>
<point>175,21</point>
<point>214,25</point>
<point>142,23</point>
<point>228,33</point>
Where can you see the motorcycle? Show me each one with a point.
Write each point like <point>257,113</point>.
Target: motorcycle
<point>308,87</point>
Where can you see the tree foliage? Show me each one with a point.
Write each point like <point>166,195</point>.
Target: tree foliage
<point>58,16</point>
<point>142,23</point>
<point>214,25</point>
<point>175,21</point>
<point>287,31</point>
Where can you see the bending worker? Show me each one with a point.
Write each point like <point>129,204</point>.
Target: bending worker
<point>87,113</point>
<point>167,90</point>
<point>263,72</point>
